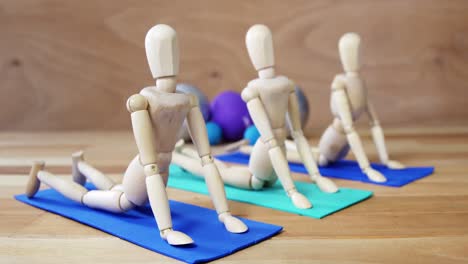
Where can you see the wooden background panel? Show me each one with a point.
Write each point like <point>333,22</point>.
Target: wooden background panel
<point>71,64</point>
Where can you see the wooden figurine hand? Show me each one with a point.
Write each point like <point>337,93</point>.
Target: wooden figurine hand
<point>299,200</point>
<point>302,146</point>
<point>176,238</point>
<point>210,170</point>
<point>232,224</point>
<point>374,175</point>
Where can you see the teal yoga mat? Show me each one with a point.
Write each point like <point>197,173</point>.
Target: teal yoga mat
<point>274,197</point>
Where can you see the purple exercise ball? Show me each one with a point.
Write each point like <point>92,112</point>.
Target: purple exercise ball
<point>230,112</point>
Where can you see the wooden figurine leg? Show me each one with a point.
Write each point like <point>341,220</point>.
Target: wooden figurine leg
<point>189,164</point>
<point>113,201</point>
<point>67,188</point>
<point>33,182</point>
<point>236,176</point>
<point>81,170</point>
<point>293,154</point>
<point>332,148</point>
<point>109,196</point>
<point>77,176</point>
<point>260,166</point>
<point>333,144</point>
<point>264,173</point>
<point>215,173</point>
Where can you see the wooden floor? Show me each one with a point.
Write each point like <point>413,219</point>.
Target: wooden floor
<point>425,222</point>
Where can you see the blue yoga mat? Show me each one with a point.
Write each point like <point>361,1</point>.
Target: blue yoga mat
<point>274,197</point>
<point>349,170</point>
<point>138,226</point>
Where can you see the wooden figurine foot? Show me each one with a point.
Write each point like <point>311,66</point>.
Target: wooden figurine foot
<point>374,175</point>
<point>176,238</point>
<point>322,161</point>
<point>33,183</point>
<point>78,177</point>
<point>232,224</point>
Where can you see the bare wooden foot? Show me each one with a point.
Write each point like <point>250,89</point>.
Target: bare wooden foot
<point>33,182</point>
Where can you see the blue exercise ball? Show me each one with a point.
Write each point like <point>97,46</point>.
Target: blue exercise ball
<point>202,100</point>
<point>303,105</point>
<point>230,112</point>
<point>252,134</point>
<point>215,134</point>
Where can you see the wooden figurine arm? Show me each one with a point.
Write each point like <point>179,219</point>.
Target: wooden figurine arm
<point>137,105</point>
<point>342,104</point>
<point>340,99</point>
<point>301,142</point>
<point>197,129</point>
<point>379,139</point>
<point>143,132</point>
<point>258,114</point>
<point>302,145</point>
<point>277,157</point>
<point>377,134</point>
<point>373,119</point>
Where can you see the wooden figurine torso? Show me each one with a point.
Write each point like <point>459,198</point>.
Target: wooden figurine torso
<point>274,94</point>
<point>167,112</point>
<point>357,96</point>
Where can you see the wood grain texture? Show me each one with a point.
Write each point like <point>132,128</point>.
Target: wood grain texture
<point>72,64</point>
<point>426,221</point>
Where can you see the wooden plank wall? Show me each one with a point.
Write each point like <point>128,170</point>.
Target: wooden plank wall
<point>68,65</point>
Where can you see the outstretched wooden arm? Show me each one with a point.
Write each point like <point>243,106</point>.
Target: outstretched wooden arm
<point>301,142</point>
<point>197,129</point>
<point>143,131</point>
<point>258,114</point>
<point>261,121</point>
<point>340,99</point>
<point>379,138</point>
<point>302,146</point>
<point>377,133</point>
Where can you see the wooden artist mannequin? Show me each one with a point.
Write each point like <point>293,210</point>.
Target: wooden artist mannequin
<point>268,161</point>
<point>348,101</point>
<point>270,99</point>
<point>157,115</point>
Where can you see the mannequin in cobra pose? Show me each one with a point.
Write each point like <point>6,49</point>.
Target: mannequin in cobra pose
<point>270,99</point>
<point>348,101</point>
<point>157,115</point>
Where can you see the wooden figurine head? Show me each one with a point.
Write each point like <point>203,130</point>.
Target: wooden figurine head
<point>349,52</point>
<point>162,51</point>
<point>260,47</point>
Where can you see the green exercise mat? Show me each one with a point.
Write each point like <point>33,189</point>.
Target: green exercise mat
<point>274,197</point>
